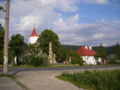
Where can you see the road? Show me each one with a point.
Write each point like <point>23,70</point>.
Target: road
<point>45,78</point>
<point>17,70</point>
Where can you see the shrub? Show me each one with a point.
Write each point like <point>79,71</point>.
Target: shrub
<point>36,61</point>
<point>75,58</point>
<point>1,57</point>
<point>96,80</point>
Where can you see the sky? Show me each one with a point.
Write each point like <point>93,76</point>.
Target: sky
<point>77,22</point>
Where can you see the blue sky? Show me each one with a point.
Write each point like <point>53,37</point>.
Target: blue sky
<point>77,22</point>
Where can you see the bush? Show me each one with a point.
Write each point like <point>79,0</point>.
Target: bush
<point>75,58</point>
<point>96,80</point>
<point>37,61</point>
<point>1,57</point>
<point>113,61</point>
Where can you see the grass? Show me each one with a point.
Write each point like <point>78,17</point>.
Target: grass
<point>0,66</point>
<point>48,66</point>
<point>13,77</point>
<point>53,65</point>
<point>94,80</point>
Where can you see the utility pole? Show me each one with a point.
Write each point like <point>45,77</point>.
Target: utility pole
<point>6,36</point>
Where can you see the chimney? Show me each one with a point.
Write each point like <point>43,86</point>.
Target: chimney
<point>86,47</point>
<point>90,48</point>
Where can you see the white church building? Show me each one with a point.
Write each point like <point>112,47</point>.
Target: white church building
<point>33,39</point>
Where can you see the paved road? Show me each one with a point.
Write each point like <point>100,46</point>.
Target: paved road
<point>44,78</point>
<point>18,70</point>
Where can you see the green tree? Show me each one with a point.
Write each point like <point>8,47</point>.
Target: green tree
<point>62,55</point>
<point>117,50</point>
<point>1,37</point>
<point>10,55</point>
<point>1,8</point>
<point>46,37</point>
<point>75,58</point>
<point>17,45</point>
<point>101,52</point>
<point>33,55</point>
<point>1,43</point>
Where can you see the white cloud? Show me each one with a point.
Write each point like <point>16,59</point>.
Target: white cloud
<point>98,35</point>
<point>29,21</point>
<point>43,14</point>
<point>65,5</point>
<point>90,34</point>
<point>26,12</point>
<point>96,1</point>
<point>66,23</point>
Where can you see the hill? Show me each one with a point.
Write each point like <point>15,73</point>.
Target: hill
<point>109,50</point>
<point>73,47</point>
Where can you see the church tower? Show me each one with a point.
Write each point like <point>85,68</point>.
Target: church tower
<point>33,37</point>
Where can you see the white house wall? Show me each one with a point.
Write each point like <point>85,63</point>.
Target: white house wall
<point>89,60</point>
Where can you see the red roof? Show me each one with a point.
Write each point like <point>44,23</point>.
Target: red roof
<point>85,51</point>
<point>34,32</point>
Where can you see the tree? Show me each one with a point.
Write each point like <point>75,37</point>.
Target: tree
<point>46,37</point>
<point>33,55</point>
<point>117,50</point>
<point>75,58</point>
<point>1,43</point>
<point>17,44</point>
<point>1,8</point>
<point>1,37</point>
<point>101,52</point>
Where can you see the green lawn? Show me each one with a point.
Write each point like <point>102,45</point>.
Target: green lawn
<point>94,80</point>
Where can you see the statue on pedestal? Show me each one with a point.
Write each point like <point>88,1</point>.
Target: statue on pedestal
<point>51,55</point>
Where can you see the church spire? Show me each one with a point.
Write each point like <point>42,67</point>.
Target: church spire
<point>33,37</point>
<point>34,32</point>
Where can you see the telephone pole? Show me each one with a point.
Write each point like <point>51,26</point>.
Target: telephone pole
<point>6,36</point>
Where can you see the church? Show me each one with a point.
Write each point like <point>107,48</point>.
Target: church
<point>33,39</point>
<point>86,52</point>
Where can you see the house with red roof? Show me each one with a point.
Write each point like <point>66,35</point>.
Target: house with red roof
<point>87,54</point>
<point>33,37</point>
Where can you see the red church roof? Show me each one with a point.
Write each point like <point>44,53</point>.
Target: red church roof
<point>86,51</point>
<point>33,32</point>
